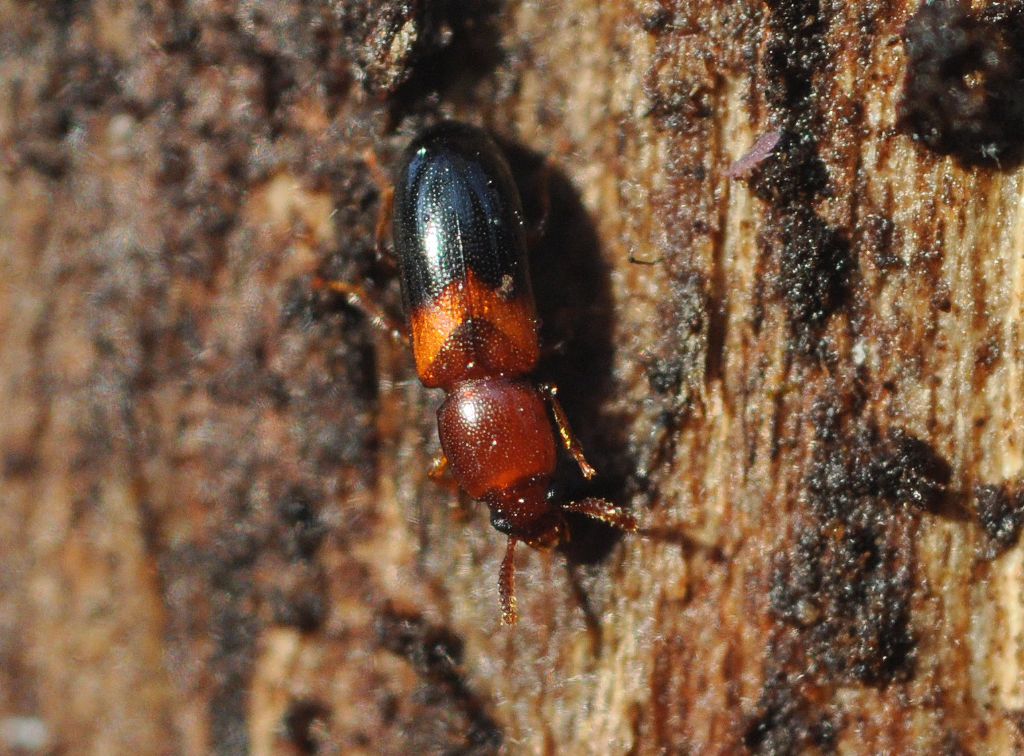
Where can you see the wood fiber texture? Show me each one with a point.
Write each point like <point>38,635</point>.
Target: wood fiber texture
<point>217,533</point>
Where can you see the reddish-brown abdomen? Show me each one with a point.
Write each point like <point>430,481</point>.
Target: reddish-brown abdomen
<point>497,435</point>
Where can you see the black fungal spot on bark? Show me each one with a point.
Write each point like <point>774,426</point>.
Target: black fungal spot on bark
<point>846,584</point>
<point>305,726</point>
<point>786,722</point>
<point>906,470</point>
<point>304,609</point>
<point>815,267</point>
<point>410,49</point>
<point>1000,511</point>
<point>679,366</point>
<point>962,93</point>
<point>793,173</point>
<point>795,52</point>
<point>846,588</point>
<point>435,653</point>
<point>815,262</point>
<point>303,529</point>
<point>297,596</point>
<point>235,631</point>
<point>654,17</point>
<point>82,84</point>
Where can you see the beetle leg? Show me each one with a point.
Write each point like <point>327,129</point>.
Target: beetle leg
<point>440,473</point>
<point>507,585</point>
<point>569,440</point>
<point>387,201</point>
<point>358,298</point>
<point>438,467</point>
<point>605,511</point>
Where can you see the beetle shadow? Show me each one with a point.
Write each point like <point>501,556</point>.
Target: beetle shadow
<point>572,287</point>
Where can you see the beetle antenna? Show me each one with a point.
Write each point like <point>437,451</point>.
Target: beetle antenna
<point>507,585</point>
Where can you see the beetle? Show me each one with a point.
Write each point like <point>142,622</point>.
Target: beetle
<point>458,234</point>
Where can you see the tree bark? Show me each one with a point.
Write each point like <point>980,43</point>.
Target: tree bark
<point>801,371</point>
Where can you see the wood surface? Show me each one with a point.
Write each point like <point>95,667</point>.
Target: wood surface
<point>217,533</point>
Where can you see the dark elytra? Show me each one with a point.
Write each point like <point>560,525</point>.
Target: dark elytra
<point>457,208</point>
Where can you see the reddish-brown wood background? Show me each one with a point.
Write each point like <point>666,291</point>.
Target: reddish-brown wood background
<point>216,530</point>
